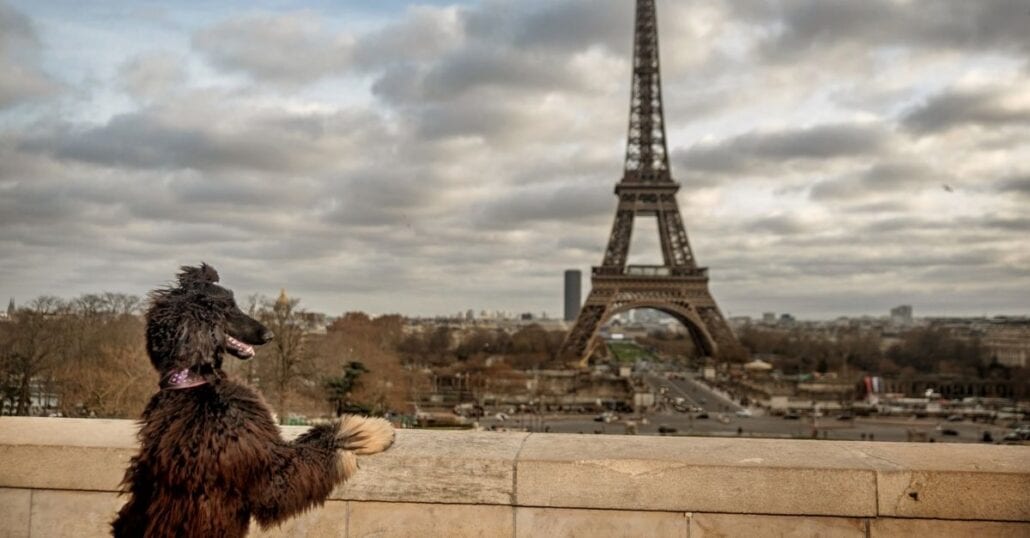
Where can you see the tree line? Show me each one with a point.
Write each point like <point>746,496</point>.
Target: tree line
<point>83,357</point>
<point>86,357</point>
<point>918,350</point>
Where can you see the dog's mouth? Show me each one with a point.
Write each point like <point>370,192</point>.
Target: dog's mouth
<point>237,348</point>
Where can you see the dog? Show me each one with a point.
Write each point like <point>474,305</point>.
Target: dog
<point>211,457</point>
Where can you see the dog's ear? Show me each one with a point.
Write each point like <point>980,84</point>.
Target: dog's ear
<point>195,345</point>
<point>197,275</point>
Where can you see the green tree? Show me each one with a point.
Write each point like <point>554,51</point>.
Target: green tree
<point>338,389</point>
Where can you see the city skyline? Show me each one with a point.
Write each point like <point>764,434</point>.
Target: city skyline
<point>835,159</point>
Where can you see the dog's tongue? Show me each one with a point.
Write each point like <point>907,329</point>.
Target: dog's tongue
<point>244,349</point>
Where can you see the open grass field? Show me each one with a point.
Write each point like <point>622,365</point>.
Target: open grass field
<point>628,351</point>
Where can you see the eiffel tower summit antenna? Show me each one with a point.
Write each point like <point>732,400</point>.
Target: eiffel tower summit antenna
<point>678,287</point>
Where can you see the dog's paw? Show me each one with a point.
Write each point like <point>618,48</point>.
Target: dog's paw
<point>364,435</point>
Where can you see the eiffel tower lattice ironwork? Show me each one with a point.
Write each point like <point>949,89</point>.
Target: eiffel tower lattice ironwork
<point>678,287</point>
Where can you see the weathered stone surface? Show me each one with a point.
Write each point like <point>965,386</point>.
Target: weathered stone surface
<point>73,514</point>
<point>80,454</point>
<point>69,467</point>
<point>695,474</point>
<point>950,495</point>
<point>326,521</point>
<point>426,466</point>
<point>578,523</point>
<point>756,526</point>
<point>654,474</point>
<point>953,481</point>
<point>382,520</point>
<point>80,432</point>
<point>439,467</point>
<point>15,508</point>
<point>907,528</point>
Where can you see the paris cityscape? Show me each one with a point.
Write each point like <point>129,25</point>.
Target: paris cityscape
<point>813,357</point>
<point>795,221</point>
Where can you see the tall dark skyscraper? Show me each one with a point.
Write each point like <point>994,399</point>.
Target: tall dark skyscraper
<point>573,291</point>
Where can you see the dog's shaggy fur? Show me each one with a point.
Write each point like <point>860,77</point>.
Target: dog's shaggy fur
<point>211,457</point>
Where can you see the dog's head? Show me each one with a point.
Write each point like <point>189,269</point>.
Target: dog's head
<point>192,324</point>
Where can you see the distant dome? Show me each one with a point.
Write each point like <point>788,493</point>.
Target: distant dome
<point>758,364</point>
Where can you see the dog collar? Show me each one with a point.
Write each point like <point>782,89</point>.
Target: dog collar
<point>182,379</point>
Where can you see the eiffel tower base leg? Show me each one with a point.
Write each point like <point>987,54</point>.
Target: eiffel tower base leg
<point>685,298</point>
<point>580,342</point>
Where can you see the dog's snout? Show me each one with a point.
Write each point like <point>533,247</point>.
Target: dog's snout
<point>267,336</point>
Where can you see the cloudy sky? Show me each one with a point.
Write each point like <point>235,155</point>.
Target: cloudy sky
<point>836,157</point>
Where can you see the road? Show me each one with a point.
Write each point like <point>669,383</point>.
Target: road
<point>765,426</point>
<point>694,392</point>
<point>722,421</point>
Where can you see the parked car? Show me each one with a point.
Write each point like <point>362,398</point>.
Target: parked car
<point>1019,434</point>
<point>663,429</point>
<point>744,413</point>
<point>845,416</point>
<point>791,416</point>
<point>702,414</point>
<point>955,418</point>
<point>949,431</point>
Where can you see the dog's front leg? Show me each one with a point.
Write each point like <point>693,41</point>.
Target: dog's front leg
<point>304,472</point>
<point>301,474</point>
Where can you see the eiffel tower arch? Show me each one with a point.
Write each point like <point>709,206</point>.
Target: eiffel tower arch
<point>678,287</point>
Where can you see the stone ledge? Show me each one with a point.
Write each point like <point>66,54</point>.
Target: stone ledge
<point>45,513</point>
<point>695,474</point>
<point>439,467</point>
<point>657,474</point>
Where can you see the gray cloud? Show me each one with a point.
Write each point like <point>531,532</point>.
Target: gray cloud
<point>808,26</point>
<point>563,202</point>
<point>291,49</point>
<point>476,117</point>
<point>463,156</point>
<point>179,136</point>
<point>509,69</point>
<point>377,196</point>
<point>421,36</point>
<point>1015,224</point>
<point>153,76</point>
<point>570,26</point>
<point>779,225</point>
<point>751,150</point>
<point>1016,185</point>
<point>952,109</point>
<point>886,177</point>
<point>21,79</point>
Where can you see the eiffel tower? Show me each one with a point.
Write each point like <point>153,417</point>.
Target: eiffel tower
<point>678,287</point>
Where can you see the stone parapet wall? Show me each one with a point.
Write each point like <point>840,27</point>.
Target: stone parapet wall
<point>58,478</point>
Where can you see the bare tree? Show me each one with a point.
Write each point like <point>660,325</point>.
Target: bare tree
<point>288,353</point>
<point>30,344</point>
<point>104,369</point>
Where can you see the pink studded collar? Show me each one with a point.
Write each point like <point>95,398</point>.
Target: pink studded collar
<point>182,379</point>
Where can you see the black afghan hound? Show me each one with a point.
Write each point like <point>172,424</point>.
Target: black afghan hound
<point>211,456</point>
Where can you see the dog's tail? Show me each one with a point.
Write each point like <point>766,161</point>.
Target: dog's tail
<point>361,435</point>
<point>364,435</point>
